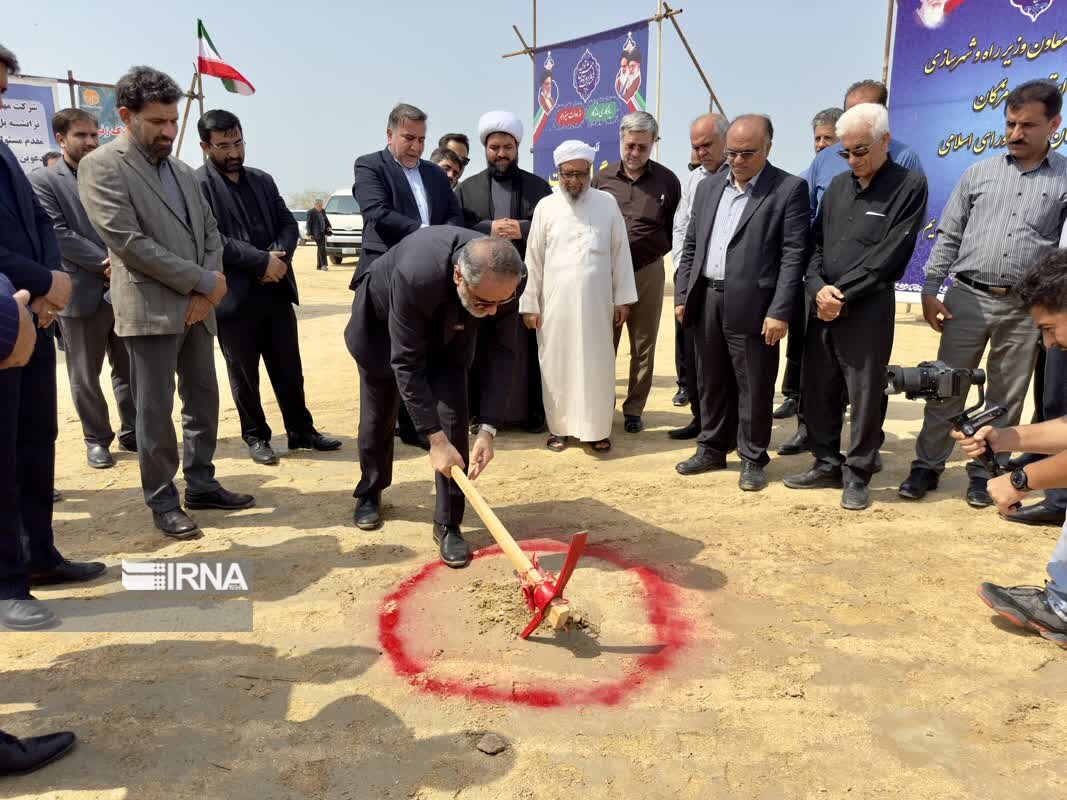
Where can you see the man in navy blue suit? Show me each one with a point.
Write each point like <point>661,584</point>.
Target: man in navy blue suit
<point>29,258</point>
<point>399,192</point>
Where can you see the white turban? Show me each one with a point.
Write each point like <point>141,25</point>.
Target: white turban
<point>499,122</point>
<point>573,150</point>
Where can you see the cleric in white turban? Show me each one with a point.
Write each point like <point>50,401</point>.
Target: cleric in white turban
<point>500,201</point>
<point>500,122</point>
<point>580,286</point>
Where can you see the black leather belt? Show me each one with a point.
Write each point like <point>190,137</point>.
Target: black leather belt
<point>996,291</point>
<point>718,286</point>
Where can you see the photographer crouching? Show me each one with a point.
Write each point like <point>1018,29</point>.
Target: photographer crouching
<point>1043,292</point>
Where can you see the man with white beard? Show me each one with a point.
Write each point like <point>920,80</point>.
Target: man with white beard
<point>580,285</point>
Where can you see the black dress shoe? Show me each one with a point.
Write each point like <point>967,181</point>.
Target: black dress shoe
<point>787,409</point>
<point>632,424</point>
<point>856,496</point>
<point>535,424</point>
<point>919,481</point>
<point>690,431</point>
<point>128,443</point>
<point>175,524</point>
<point>220,498</point>
<point>98,457</point>
<point>796,444</point>
<point>977,494</point>
<point>815,478</point>
<point>701,462</point>
<point>21,756</point>
<point>312,441</point>
<point>68,572</point>
<point>56,496</point>
<point>368,513</point>
<point>681,398</point>
<point>455,552</point>
<point>420,440</point>
<point>752,479</point>
<point>262,453</point>
<point>1037,514</point>
<point>24,613</point>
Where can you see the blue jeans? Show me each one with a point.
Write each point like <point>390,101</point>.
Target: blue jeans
<point>1057,571</point>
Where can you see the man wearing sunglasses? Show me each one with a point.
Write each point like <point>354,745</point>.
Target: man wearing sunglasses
<point>417,314</point>
<point>863,239</point>
<point>742,261</point>
<point>500,201</point>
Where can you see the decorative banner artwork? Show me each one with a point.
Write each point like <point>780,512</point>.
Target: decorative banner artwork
<point>26,120</point>
<point>100,102</point>
<point>583,88</point>
<point>954,63</point>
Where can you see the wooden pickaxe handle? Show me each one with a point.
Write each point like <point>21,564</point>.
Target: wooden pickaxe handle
<point>518,559</point>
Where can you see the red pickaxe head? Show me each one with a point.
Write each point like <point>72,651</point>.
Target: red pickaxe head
<point>545,596</point>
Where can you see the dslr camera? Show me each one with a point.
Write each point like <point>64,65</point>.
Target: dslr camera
<point>936,381</point>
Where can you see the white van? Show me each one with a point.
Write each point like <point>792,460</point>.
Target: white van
<point>347,225</point>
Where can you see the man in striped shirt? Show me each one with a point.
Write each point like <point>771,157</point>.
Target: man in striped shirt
<point>1004,215</point>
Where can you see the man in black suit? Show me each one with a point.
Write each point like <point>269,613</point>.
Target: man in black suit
<point>864,236</point>
<point>256,318</point>
<point>318,228</point>
<point>29,258</point>
<point>741,268</point>
<point>500,201</point>
<point>399,192</point>
<point>414,324</point>
<point>88,321</point>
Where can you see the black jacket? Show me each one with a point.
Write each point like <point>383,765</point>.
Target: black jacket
<point>407,317</point>
<point>388,204</point>
<point>765,259</point>
<point>242,263</point>
<point>318,224</point>
<point>476,198</point>
<point>28,247</point>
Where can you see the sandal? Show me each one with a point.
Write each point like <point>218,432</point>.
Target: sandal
<point>603,446</point>
<point>557,444</point>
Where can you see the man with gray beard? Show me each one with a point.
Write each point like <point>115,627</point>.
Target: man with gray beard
<point>414,325</point>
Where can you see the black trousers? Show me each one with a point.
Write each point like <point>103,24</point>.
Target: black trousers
<point>794,349</point>
<point>320,255</point>
<point>28,430</point>
<point>736,373</point>
<point>264,327</point>
<point>851,352</point>
<point>379,402</point>
<point>1050,402</point>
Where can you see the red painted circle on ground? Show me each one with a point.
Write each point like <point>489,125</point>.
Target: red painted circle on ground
<point>661,605</point>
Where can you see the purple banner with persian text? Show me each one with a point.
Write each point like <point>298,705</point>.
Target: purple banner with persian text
<point>583,88</point>
<point>954,63</point>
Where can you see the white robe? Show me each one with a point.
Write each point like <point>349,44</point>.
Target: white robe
<point>578,258</point>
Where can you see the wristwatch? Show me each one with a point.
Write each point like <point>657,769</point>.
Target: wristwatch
<point>1019,480</point>
<point>488,429</point>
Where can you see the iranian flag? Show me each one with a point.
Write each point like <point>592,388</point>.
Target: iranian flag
<point>211,63</point>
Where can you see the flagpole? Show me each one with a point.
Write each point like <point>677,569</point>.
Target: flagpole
<point>659,65</point>
<point>185,117</point>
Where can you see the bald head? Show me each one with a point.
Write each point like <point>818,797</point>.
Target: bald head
<point>748,143</point>
<point>707,137</point>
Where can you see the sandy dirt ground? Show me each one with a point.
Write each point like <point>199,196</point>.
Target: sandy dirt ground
<point>805,651</point>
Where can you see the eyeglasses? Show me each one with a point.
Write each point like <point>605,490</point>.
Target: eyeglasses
<point>226,146</point>
<point>574,176</point>
<point>732,155</point>
<point>465,160</point>
<point>858,152</point>
<point>482,304</point>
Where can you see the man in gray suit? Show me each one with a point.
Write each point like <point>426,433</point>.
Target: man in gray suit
<point>166,261</point>
<point>741,269</point>
<point>87,322</point>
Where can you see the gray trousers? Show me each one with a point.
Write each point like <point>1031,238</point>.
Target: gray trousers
<point>88,339</point>
<point>979,319</point>
<point>643,328</point>
<point>155,360</point>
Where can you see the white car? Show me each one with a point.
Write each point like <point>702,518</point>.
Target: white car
<point>346,222</point>
<point>302,223</point>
